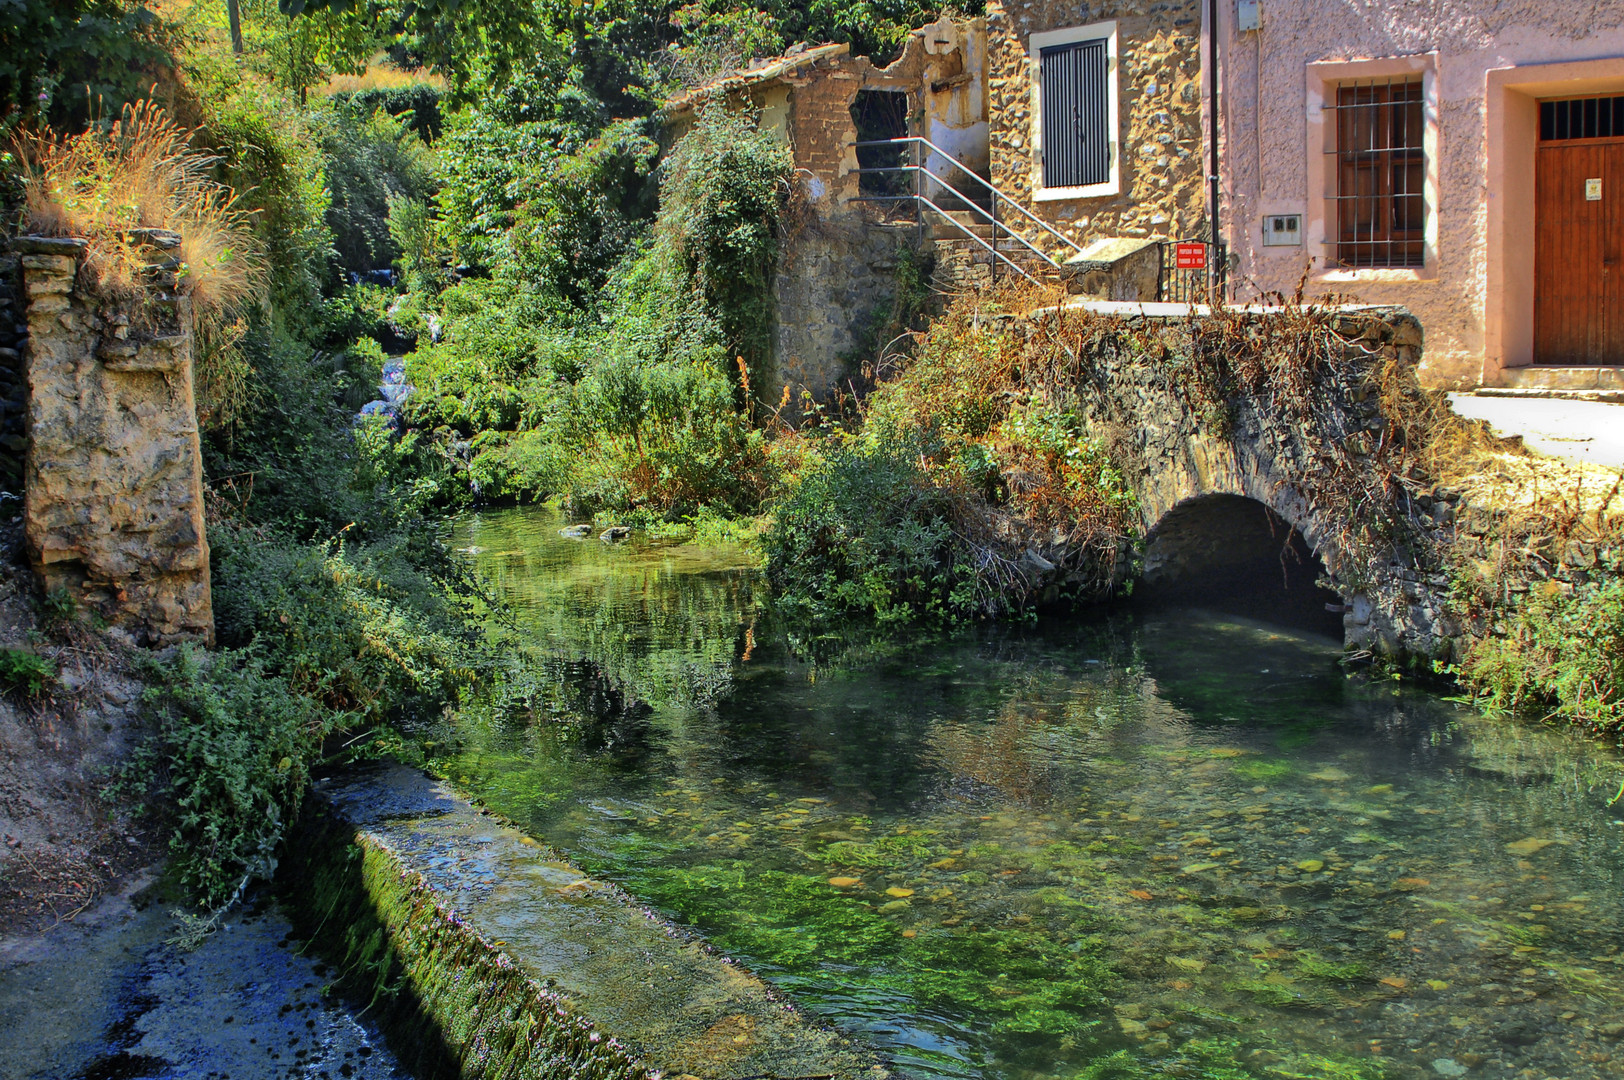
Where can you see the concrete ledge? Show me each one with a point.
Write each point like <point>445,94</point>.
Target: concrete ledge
<point>520,963</point>
<point>1535,392</point>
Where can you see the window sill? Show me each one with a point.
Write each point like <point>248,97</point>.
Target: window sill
<point>1379,275</point>
<point>1087,191</point>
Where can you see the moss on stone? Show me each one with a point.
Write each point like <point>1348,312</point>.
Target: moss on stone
<point>453,1003</point>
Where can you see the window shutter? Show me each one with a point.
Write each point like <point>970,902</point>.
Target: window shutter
<point>1076,114</point>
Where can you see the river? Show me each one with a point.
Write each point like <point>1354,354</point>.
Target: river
<point>1120,844</point>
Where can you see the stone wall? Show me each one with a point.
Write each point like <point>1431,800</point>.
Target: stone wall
<point>114,478</point>
<point>835,286</point>
<point>1160,138</point>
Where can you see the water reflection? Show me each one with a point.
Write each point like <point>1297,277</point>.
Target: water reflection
<point>1180,837</point>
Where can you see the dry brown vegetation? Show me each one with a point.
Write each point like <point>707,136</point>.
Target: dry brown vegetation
<point>382,77</point>
<point>141,173</point>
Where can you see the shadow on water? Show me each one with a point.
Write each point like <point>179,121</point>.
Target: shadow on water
<point>1178,833</point>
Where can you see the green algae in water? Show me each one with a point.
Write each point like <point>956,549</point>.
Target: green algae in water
<point>1071,848</point>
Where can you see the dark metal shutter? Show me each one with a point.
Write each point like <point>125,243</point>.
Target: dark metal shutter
<point>1076,116</point>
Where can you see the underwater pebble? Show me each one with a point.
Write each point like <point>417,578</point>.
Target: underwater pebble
<point>1448,1067</point>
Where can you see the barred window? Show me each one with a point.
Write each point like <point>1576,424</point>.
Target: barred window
<point>1380,198</point>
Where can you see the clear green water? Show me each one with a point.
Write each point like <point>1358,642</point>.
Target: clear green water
<point>1179,837</point>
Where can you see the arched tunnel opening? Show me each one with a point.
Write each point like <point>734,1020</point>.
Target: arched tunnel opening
<point>1236,555</point>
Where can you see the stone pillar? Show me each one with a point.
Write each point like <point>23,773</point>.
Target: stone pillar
<point>114,478</point>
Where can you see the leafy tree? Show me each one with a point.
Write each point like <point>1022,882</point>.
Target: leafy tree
<point>61,60</point>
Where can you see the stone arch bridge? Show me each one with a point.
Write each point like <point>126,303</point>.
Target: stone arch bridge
<point>1243,489</point>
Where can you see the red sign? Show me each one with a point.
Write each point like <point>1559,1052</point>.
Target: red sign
<point>1190,256</point>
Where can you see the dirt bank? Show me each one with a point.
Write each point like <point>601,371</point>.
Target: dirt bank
<point>63,844</point>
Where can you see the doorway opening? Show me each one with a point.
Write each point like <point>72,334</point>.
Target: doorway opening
<point>882,114</point>
<point>1236,555</point>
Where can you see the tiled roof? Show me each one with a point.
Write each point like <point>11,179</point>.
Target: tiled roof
<point>758,73</point>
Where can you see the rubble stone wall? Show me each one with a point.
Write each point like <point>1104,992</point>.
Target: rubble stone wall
<point>114,479</point>
<point>1160,136</point>
<point>836,283</point>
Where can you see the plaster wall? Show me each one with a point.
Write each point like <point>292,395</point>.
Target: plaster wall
<point>1158,171</point>
<point>1484,64</point>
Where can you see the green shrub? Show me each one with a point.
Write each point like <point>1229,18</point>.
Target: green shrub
<point>270,155</point>
<point>1560,653</point>
<point>371,160</point>
<point>231,755</point>
<point>867,530</point>
<point>722,204</point>
<point>25,673</point>
<point>415,104</point>
<point>361,629</point>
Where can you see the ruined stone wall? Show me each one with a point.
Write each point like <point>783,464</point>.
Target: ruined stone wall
<point>114,478</point>
<point>13,378</point>
<point>835,286</point>
<point>1160,139</point>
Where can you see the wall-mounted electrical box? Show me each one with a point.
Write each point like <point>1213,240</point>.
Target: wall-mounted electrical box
<point>1248,15</point>
<point>1282,230</point>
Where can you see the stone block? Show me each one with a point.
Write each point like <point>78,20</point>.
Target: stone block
<point>68,246</point>
<point>52,265</point>
<point>1116,268</point>
<point>43,285</point>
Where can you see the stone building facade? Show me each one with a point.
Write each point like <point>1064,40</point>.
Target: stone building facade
<point>113,507</point>
<point>1155,178</point>
<point>836,277</point>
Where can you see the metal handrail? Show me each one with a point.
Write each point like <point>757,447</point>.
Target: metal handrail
<point>996,254</point>
<point>992,218</point>
<point>996,194</point>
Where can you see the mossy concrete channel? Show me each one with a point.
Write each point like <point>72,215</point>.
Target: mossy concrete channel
<point>502,960</point>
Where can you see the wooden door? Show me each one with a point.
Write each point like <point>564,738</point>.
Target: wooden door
<point>1579,252</point>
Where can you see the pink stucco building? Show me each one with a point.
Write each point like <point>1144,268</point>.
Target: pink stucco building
<point>1464,158</point>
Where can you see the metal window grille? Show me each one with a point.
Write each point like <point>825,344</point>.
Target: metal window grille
<point>1381,167</point>
<point>1076,114</point>
<point>1581,118</point>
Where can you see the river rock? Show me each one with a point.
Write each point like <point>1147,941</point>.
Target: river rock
<point>614,534</point>
<point>575,532</point>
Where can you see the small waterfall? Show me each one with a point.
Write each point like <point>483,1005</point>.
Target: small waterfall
<point>393,390</point>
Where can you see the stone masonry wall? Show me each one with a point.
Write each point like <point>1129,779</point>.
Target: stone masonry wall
<point>114,478</point>
<point>836,281</point>
<point>1159,98</point>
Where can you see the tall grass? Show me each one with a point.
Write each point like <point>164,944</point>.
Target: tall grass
<point>142,173</point>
